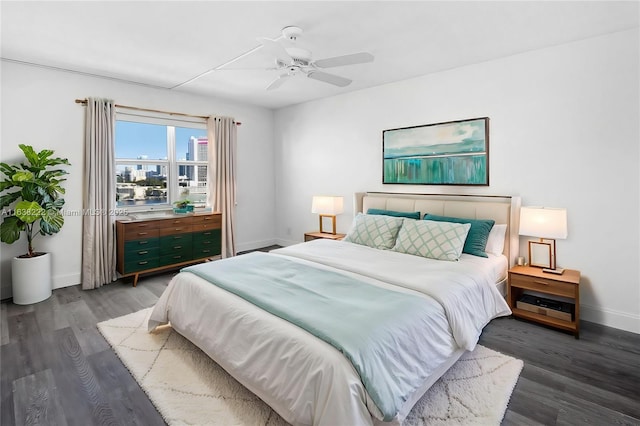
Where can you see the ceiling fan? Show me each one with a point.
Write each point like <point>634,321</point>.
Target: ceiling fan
<point>292,60</point>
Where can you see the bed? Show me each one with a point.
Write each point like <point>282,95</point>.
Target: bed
<point>308,380</point>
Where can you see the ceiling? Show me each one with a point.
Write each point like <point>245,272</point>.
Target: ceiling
<point>167,44</point>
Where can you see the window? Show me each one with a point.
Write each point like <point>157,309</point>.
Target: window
<point>159,161</point>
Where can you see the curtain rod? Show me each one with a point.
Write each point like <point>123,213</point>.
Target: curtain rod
<point>84,102</point>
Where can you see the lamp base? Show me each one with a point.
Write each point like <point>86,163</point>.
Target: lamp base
<point>333,223</point>
<point>557,271</point>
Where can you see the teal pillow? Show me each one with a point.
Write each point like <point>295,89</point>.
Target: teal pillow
<point>408,215</point>
<point>476,241</point>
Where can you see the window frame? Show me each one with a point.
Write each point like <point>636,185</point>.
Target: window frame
<point>171,162</point>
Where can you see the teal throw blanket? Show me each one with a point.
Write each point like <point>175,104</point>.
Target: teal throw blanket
<point>359,319</point>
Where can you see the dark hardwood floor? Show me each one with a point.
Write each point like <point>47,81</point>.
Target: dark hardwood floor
<point>58,370</point>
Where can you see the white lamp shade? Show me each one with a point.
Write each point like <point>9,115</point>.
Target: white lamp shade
<point>543,222</point>
<point>327,205</point>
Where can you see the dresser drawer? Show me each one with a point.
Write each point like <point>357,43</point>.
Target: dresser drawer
<point>134,245</point>
<point>211,218</point>
<point>205,226</point>
<point>141,254</point>
<point>177,229</point>
<point>183,249</point>
<point>187,220</point>
<point>178,257</point>
<point>140,233</point>
<point>211,236</point>
<point>206,251</point>
<point>176,240</point>
<point>543,285</point>
<point>141,225</point>
<point>140,265</point>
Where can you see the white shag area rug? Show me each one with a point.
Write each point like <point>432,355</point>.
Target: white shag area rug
<point>188,388</point>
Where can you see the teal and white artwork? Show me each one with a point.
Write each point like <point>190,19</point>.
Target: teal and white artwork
<point>451,153</point>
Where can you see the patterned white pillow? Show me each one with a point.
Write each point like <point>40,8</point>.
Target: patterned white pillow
<point>436,240</point>
<point>374,230</point>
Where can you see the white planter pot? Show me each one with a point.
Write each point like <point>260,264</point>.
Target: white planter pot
<point>31,279</point>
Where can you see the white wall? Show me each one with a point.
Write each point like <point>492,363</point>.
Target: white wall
<point>38,108</point>
<point>564,132</point>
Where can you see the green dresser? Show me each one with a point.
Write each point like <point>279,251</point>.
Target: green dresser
<point>148,245</point>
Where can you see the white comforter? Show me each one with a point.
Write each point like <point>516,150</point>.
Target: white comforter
<point>304,379</point>
<point>465,288</point>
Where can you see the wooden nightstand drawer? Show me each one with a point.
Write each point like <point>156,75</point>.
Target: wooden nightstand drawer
<point>543,285</point>
<point>525,279</point>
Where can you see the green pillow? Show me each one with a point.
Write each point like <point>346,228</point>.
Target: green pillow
<point>408,215</point>
<point>476,241</point>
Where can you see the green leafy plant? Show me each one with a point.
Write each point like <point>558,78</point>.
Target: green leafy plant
<point>37,196</point>
<point>181,204</point>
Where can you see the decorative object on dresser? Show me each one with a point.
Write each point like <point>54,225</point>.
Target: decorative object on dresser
<point>310,236</point>
<point>551,311</point>
<point>147,245</point>
<point>548,224</point>
<point>327,206</point>
<point>449,153</point>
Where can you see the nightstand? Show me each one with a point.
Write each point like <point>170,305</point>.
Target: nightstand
<point>567,286</point>
<point>319,235</point>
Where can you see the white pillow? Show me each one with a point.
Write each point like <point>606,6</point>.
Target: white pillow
<point>432,239</point>
<point>374,230</point>
<point>495,241</point>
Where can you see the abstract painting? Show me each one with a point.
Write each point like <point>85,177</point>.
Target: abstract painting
<point>450,153</point>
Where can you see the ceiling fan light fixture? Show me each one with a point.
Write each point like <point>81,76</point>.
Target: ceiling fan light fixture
<point>291,32</point>
<point>293,59</point>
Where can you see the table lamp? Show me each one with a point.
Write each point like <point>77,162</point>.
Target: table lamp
<point>547,224</point>
<point>327,206</point>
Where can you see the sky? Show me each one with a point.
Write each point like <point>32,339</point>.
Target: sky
<point>136,139</point>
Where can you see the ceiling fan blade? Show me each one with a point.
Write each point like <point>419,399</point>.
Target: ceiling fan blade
<point>336,80</point>
<point>275,49</point>
<point>338,61</point>
<point>278,81</point>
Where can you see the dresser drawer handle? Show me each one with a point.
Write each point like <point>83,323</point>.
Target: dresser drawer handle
<point>144,262</point>
<point>178,229</point>
<point>143,233</point>
<point>143,225</point>
<point>143,252</point>
<point>177,247</point>
<point>143,242</point>
<point>176,221</point>
<point>206,242</point>
<point>540,282</point>
<point>206,251</point>
<point>207,233</point>
<point>177,257</point>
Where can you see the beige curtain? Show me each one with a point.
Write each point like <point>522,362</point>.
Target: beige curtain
<point>221,174</point>
<point>99,197</point>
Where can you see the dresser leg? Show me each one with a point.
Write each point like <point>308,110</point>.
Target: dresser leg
<point>135,279</point>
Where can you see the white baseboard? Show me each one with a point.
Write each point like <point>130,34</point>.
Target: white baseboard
<point>611,318</point>
<point>252,245</point>
<point>68,280</point>
<point>285,243</point>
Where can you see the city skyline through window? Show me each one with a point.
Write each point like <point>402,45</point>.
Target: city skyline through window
<point>159,164</point>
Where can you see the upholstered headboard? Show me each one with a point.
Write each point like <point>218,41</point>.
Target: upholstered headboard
<point>502,209</point>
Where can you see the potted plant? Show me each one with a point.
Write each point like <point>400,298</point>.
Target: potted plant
<point>183,206</point>
<point>37,195</point>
